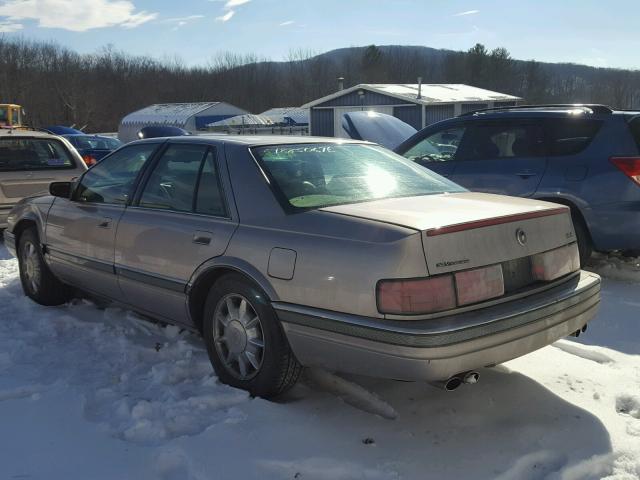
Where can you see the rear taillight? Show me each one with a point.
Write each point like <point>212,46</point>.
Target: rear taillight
<point>424,295</point>
<point>436,294</point>
<point>480,284</point>
<point>556,263</point>
<point>89,160</point>
<point>630,166</point>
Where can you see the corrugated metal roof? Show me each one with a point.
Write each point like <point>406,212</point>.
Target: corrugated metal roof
<point>174,113</point>
<point>238,120</point>
<point>280,114</point>
<point>431,93</point>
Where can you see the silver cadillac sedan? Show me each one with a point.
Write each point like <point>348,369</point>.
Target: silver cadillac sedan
<point>290,252</point>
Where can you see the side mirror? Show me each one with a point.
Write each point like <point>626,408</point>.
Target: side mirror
<point>60,189</point>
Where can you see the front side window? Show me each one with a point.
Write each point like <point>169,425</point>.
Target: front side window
<point>18,154</point>
<point>315,175</point>
<point>111,181</point>
<point>502,140</point>
<point>438,147</point>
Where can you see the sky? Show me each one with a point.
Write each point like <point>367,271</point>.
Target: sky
<point>592,32</point>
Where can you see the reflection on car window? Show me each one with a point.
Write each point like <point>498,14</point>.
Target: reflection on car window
<point>439,147</point>
<point>172,184</point>
<point>210,200</point>
<point>33,154</point>
<point>95,143</point>
<point>111,180</point>
<point>569,136</point>
<point>323,174</point>
<point>502,140</point>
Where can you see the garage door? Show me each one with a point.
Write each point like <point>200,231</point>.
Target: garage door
<point>339,111</point>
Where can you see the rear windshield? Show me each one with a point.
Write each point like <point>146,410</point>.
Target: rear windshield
<point>634,126</point>
<point>33,154</point>
<point>570,136</point>
<point>95,143</point>
<point>319,175</point>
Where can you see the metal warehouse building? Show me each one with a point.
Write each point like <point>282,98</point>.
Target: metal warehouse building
<point>188,116</point>
<point>418,105</point>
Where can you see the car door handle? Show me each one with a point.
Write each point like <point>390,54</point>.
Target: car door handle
<point>201,238</point>
<point>105,223</point>
<point>526,174</point>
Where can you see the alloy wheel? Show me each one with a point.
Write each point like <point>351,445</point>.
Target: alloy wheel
<point>31,266</point>
<point>238,336</point>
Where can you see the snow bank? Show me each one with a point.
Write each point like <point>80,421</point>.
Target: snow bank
<point>104,394</point>
<point>615,266</point>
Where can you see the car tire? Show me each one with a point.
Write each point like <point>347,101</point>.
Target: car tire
<point>38,282</point>
<point>245,341</point>
<point>583,238</point>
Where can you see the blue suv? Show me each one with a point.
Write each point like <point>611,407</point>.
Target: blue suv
<point>584,156</point>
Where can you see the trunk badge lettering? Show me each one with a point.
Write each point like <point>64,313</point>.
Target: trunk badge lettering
<point>521,237</point>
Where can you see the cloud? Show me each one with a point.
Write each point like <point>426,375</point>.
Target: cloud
<point>468,12</point>
<point>226,17</point>
<point>235,3</point>
<point>8,27</point>
<point>77,16</point>
<point>179,22</point>
<point>288,22</point>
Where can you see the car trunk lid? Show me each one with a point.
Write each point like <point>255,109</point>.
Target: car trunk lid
<point>467,230</point>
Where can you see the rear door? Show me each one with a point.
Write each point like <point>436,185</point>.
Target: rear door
<point>180,218</point>
<point>81,230</point>
<point>504,157</point>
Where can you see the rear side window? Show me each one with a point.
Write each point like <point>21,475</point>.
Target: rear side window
<point>570,136</point>
<point>18,154</point>
<point>634,126</point>
<point>502,140</point>
<point>185,179</point>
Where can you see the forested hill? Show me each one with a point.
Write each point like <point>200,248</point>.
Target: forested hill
<point>59,86</point>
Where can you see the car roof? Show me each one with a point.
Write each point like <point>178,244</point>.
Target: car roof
<point>25,133</point>
<point>546,111</point>
<point>253,140</point>
<point>93,135</point>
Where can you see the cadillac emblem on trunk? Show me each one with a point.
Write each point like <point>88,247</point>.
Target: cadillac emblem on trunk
<point>521,237</point>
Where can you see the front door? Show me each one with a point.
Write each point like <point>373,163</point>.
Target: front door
<point>178,220</point>
<point>81,231</point>
<point>507,158</point>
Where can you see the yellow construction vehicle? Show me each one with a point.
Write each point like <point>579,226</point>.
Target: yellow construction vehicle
<point>11,115</point>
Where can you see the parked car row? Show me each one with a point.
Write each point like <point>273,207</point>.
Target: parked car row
<point>291,252</point>
<point>585,157</point>
<point>30,160</point>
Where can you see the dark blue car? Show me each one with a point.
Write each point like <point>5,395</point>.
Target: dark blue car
<point>586,157</point>
<point>93,147</point>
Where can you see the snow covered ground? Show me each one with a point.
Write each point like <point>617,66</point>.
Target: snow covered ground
<point>102,394</point>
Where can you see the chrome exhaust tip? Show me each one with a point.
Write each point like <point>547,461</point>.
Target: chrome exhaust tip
<point>471,377</point>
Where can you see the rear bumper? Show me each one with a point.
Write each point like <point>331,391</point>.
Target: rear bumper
<point>436,350</point>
